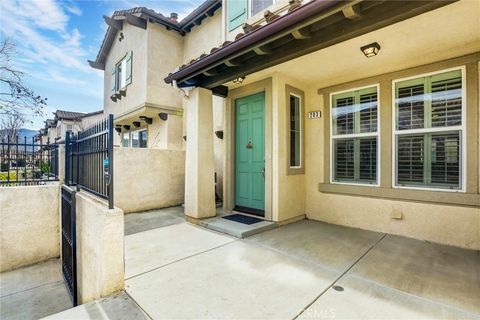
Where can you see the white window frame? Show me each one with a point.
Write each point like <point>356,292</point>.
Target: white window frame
<point>357,135</point>
<point>300,113</point>
<point>462,128</point>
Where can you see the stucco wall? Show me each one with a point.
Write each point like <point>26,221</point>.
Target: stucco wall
<point>100,248</point>
<point>203,38</point>
<point>164,54</point>
<point>29,225</point>
<point>148,178</point>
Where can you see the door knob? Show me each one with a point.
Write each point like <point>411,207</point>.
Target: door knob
<point>249,145</point>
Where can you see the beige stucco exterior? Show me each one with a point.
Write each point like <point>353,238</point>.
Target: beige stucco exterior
<point>100,248</point>
<point>148,178</point>
<point>29,225</point>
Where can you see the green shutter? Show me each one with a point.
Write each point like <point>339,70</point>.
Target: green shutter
<point>113,80</point>
<point>128,69</point>
<point>237,13</point>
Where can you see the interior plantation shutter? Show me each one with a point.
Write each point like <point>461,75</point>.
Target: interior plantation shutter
<point>113,80</point>
<point>237,13</point>
<point>128,69</point>
<point>344,151</point>
<point>445,168</point>
<point>410,159</point>
<point>411,106</point>
<point>447,99</point>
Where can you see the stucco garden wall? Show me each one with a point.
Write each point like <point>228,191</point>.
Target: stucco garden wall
<point>29,225</point>
<point>100,248</point>
<point>148,178</point>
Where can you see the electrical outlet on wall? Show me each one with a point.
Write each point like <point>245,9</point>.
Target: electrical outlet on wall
<point>396,214</point>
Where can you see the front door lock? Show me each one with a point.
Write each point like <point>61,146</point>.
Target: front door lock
<point>249,145</point>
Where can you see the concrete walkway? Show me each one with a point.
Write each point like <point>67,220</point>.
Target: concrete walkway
<point>33,292</point>
<point>305,270</point>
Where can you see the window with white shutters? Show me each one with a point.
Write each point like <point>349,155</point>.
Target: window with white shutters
<point>428,131</point>
<point>355,136</point>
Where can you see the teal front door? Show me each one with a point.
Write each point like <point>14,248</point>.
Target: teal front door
<point>250,154</point>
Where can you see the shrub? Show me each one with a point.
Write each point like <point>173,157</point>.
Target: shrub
<point>4,175</point>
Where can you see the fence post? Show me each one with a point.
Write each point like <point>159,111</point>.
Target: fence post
<point>110,160</point>
<point>67,158</point>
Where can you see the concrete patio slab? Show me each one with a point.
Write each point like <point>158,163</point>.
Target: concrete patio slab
<point>151,249</point>
<point>35,303</point>
<point>328,245</point>
<point>30,277</point>
<point>236,229</point>
<point>116,307</point>
<point>362,299</point>
<point>147,220</point>
<point>235,281</point>
<point>443,274</point>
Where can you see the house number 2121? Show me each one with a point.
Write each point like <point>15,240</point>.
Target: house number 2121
<point>314,114</point>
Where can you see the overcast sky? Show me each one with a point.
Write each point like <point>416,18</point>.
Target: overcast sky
<point>54,40</point>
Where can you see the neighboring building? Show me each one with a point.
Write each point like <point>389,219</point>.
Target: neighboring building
<point>55,129</point>
<point>361,113</point>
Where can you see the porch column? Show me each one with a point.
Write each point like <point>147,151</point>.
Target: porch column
<point>199,171</point>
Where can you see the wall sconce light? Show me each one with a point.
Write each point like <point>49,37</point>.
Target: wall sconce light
<point>146,119</point>
<point>136,124</point>
<point>163,116</point>
<point>370,50</point>
<point>126,127</point>
<point>238,80</point>
<point>219,134</point>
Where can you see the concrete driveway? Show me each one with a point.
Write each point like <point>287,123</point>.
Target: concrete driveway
<point>306,270</point>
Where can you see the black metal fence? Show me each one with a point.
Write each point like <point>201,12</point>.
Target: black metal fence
<point>24,162</point>
<point>89,159</point>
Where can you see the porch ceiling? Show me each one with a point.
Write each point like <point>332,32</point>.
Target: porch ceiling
<point>444,33</point>
<point>312,27</point>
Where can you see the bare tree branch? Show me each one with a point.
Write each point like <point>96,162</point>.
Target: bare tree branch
<point>15,96</point>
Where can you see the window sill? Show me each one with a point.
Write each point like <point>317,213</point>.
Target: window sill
<point>438,197</point>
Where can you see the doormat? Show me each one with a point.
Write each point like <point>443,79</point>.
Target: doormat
<point>242,219</point>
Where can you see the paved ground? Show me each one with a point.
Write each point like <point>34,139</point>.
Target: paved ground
<point>33,292</point>
<point>306,270</point>
<point>147,220</point>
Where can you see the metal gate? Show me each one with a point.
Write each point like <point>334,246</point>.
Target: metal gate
<point>69,242</point>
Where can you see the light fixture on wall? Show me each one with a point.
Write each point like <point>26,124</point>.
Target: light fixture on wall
<point>238,80</point>
<point>370,50</point>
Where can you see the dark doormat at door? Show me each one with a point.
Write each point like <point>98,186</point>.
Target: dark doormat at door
<point>242,219</point>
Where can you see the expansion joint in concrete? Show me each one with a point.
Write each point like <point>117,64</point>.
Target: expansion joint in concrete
<point>342,274</point>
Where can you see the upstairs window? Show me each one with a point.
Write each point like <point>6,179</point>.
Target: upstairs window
<point>354,136</point>
<point>258,5</point>
<point>122,73</point>
<point>428,131</point>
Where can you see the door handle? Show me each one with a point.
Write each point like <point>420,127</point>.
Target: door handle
<point>249,145</point>
<point>263,172</point>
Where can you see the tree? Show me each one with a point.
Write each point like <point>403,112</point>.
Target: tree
<point>15,96</point>
<point>11,124</point>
